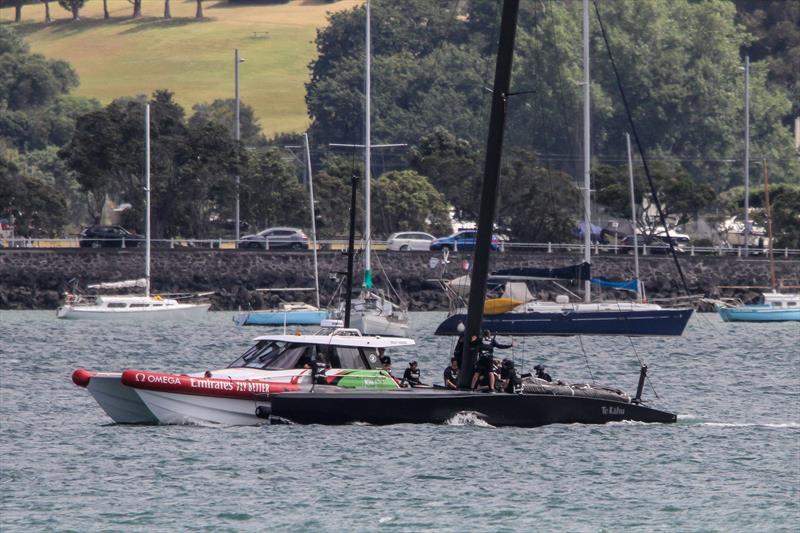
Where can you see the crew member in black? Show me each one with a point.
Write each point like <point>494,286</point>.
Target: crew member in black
<point>451,374</point>
<point>411,375</point>
<point>318,368</point>
<point>541,374</point>
<point>386,364</point>
<point>483,368</point>
<point>509,378</point>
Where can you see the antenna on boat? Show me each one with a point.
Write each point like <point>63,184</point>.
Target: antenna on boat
<point>147,199</point>
<point>494,152</point>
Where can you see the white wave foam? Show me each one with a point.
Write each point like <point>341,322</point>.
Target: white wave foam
<point>468,418</point>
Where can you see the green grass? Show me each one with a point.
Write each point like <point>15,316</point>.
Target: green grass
<point>191,57</point>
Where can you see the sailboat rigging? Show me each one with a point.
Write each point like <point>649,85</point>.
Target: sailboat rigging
<point>537,402</point>
<point>103,307</point>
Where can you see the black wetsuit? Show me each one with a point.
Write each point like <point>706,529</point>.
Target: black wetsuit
<point>411,376</point>
<point>541,374</point>
<point>318,369</point>
<point>450,374</point>
<point>510,374</point>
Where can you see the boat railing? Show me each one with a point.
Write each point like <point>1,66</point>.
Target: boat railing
<point>341,244</point>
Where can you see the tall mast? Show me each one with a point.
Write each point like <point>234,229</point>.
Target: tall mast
<point>587,215</point>
<point>313,214</point>
<point>367,158</point>
<point>772,281</point>
<point>494,152</point>
<point>746,155</point>
<point>633,220</point>
<point>147,199</point>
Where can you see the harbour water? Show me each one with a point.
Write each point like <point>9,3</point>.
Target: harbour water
<point>731,463</point>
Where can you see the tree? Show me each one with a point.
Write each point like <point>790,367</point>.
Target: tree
<point>452,165</point>
<point>47,19</point>
<point>73,6</point>
<point>199,12</point>
<point>106,14</point>
<point>535,204</point>
<point>38,208</point>
<point>333,183</point>
<point>137,8</point>
<point>270,192</point>
<point>167,12</point>
<point>681,197</point>
<point>406,201</point>
<point>223,113</point>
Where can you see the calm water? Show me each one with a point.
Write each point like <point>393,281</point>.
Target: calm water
<point>731,463</point>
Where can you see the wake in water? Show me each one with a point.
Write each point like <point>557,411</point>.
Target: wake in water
<point>692,420</point>
<point>468,418</point>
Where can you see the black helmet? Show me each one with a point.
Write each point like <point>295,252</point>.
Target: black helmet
<point>539,367</point>
<point>487,333</point>
<point>508,363</point>
<point>386,360</point>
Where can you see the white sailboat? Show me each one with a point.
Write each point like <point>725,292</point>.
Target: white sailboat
<point>372,312</point>
<point>105,307</point>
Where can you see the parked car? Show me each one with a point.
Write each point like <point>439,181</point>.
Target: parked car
<point>406,241</point>
<point>109,237</point>
<point>272,238</point>
<point>464,240</point>
<point>655,244</point>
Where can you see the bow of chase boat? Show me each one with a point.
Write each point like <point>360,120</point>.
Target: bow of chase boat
<point>232,395</point>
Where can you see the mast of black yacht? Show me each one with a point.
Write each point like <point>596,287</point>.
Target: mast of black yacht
<point>494,152</point>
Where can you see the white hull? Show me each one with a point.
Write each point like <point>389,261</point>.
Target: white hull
<point>120,402</point>
<point>372,324</point>
<point>171,408</point>
<point>156,313</point>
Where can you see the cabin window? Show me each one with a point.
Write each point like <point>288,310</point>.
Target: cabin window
<point>117,305</point>
<point>349,357</point>
<point>791,304</point>
<point>261,351</point>
<point>140,305</point>
<point>776,304</point>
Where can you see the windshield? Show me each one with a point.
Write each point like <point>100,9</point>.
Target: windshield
<point>272,355</point>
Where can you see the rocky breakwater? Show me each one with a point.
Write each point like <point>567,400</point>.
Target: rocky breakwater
<point>38,278</point>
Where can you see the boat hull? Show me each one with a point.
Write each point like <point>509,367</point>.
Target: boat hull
<point>119,401</point>
<point>659,322</point>
<point>372,324</point>
<point>158,313</point>
<point>290,318</point>
<point>757,313</point>
<point>438,407</point>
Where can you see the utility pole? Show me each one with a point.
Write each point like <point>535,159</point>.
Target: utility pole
<point>238,136</point>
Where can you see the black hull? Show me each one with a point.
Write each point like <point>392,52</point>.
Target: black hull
<point>662,322</point>
<point>437,407</point>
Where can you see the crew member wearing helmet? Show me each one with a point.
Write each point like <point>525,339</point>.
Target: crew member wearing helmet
<point>411,375</point>
<point>541,374</point>
<point>509,378</point>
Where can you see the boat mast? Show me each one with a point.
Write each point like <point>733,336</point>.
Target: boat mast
<point>147,199</point>
<point>348,297</point>
<point>747,155</point>
<point>772,281</point>
<point>633,220</point>
<point>367,157</point>
<point>313,214</point>
<point>494,151</point>
<point>587,215</point>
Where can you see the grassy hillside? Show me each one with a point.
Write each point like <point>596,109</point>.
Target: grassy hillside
<point>193,58</point>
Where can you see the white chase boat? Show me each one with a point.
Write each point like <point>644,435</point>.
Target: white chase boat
<point>240,394</point>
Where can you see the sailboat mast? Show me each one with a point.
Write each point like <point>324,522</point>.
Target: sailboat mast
<point>313,215</point>
<point>587,214</point>
<point>367,156</point>
<point>772,281</point>
<point>633,220</point>
<point>746,155</point>
<point>147,199</point>
<point>494,152</point>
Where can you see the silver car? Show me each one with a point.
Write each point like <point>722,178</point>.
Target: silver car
<point>272,238</point>
<point>406,241</point>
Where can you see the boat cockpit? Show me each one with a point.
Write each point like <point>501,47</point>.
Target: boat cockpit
<point>280,355</point>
